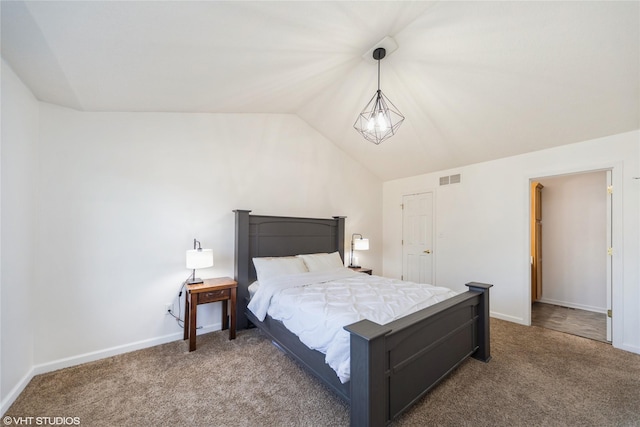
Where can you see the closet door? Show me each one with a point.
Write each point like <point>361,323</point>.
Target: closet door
<point>417,238</point>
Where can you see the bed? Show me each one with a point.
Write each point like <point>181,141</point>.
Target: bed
<point>392,365</point>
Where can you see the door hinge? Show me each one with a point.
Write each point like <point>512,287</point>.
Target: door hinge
<point>610,251</point>
<point>402,206</point>
<point>610,189</point>
<point>609,313</point>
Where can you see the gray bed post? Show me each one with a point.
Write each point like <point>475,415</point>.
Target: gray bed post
<point>340,235</point>
<point>369,400</point>
<point>484,337</point>
<point>241,270</point>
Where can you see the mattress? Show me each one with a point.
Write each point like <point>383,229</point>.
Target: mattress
<point>317,306</point>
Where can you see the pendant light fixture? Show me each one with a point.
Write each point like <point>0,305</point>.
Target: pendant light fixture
<point>380,119</point>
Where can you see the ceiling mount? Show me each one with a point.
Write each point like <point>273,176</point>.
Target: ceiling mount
<point>379,53</point>
<point>388,44</point>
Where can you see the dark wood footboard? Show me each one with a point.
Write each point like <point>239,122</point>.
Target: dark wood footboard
<point>394,365</point>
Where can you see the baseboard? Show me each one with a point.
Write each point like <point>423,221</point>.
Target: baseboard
<point>15,392</point>
<point>93,356</point>
<point>102,354</point>
<point>630,348</point>
<point>114,351</point>
<point>573,305</point>
<point>508,318</point>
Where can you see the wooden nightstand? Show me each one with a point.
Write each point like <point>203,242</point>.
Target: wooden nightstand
<point>212,290</point>
<point>362,270</point>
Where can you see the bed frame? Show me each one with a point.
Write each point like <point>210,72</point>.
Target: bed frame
<point>392,365</point>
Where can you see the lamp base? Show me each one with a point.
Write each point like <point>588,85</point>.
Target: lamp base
<point>194,281</point>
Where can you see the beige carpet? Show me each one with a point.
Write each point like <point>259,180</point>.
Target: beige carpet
<point>536,377</point>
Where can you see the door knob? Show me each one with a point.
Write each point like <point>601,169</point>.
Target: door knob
<point>428,251</point>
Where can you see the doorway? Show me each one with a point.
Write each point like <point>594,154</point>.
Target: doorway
<point>570,264</point>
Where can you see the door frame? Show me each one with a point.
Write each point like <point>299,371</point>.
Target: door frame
<point>609,258</point>
<point>617,285</point>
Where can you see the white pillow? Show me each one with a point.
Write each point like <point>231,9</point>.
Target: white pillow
<point>269,267</point>
<point>322,262</point>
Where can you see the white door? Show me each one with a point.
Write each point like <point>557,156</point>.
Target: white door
<point>417,238</point>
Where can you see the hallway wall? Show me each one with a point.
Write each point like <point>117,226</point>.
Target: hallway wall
<point>574,241</point>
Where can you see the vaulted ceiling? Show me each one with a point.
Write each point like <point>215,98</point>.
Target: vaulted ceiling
<point>475,80</point>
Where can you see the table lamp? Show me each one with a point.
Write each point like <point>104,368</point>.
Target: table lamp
<point>198,258</point>
<point>357,244</point>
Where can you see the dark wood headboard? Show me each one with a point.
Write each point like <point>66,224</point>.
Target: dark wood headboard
<point>262,236</point>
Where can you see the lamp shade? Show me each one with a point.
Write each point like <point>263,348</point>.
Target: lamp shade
<point>361,244</point>
<point>199,258</point>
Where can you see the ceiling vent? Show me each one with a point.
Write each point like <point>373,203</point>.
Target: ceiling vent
<point>451,179</point>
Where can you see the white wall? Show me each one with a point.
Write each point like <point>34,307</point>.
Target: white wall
<point>122,195</point>
<point>18,171</point>
<point>574,241</point>
<point>482,226</point>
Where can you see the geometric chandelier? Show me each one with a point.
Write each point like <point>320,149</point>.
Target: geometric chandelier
<point>380,119</point>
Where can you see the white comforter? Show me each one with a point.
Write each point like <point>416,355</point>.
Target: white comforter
<point>316,307</point>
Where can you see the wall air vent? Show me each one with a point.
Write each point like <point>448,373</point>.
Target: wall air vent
<point>451,179</point>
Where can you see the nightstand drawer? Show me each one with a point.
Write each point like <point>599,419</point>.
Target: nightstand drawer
<point>211,296</point>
